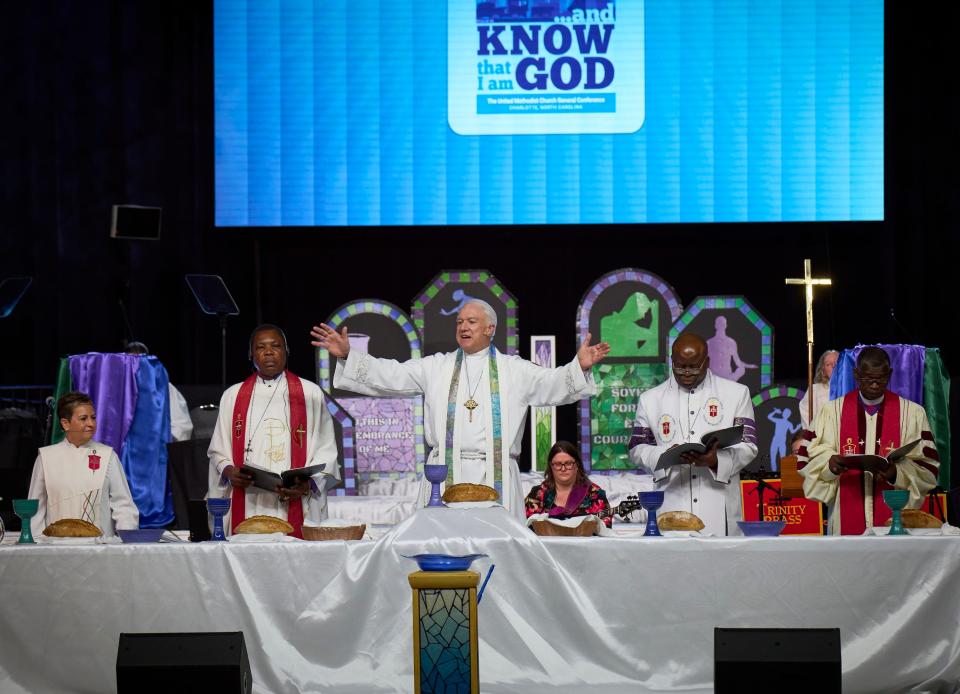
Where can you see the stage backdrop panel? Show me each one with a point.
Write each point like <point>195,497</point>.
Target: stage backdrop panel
<point>371,112</point>
<point>776,410</point>
<point>436,306</point>
<point>739,339</point>
<point>388,432</point>
<point>633,311</point>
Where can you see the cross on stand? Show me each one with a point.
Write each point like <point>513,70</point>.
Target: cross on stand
<point>808,281</point>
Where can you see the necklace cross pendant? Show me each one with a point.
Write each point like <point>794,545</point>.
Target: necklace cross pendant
<point>471,405</point>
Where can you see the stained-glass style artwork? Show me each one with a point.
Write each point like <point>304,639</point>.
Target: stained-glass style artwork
<point>445,632</point>
<point>445,641</point>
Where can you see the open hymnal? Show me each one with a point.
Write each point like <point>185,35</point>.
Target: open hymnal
<point>724,438</point>
<point>265,479</point>
<point>873,462</point>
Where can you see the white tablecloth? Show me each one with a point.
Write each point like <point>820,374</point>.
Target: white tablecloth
<point>559,615</point>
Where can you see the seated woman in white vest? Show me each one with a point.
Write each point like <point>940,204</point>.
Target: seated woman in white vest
<point>79,477</point>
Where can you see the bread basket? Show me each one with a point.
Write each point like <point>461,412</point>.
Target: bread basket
<point>548,529</point>
<point>346,532</point>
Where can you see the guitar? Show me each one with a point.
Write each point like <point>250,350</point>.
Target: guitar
<point>623,509</point>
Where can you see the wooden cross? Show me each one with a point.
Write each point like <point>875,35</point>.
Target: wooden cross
<point>808,283</point>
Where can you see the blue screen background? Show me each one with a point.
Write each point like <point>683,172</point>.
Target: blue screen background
<point>335,113</point>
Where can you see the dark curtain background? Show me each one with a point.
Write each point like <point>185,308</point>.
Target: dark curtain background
<point>105,102</point>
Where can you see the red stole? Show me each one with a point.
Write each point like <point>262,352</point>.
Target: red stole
<point>853,430</point>
<point>298,446</point>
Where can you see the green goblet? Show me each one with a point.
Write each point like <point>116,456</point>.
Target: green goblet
<point>896,499</point>
<point>26,509</point>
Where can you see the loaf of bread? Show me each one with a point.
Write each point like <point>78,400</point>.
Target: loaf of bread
<point>469,492</point>
<point>915,518</point>
<point>678,520</point>
<point>262,525</point>
<point>72,527</point>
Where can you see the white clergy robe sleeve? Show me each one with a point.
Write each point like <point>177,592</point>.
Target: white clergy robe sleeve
<point>543,387</point>
<point>819,483</point>
<point>367,375</point>
<point>730,461</point>
<point>124,512</point>
<point>220,451</point>
<point>323,441</point>
<point>916,471</point>
<point>181,426</point>
<point>643,449</point>
<point>38,491</point>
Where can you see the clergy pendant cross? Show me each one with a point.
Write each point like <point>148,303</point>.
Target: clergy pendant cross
<point>300,431</point>
<point>808,283</point>
<point>471,405</point>
<point>238,428</point>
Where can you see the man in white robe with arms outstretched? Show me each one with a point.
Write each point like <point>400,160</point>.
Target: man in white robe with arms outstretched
<point>475,398</point>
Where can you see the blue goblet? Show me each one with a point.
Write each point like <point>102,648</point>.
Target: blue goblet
<point>435,474</point>
<point>26,509</point>
<point>651,501</point>
<point>896,499</point>
<point>218,509</point>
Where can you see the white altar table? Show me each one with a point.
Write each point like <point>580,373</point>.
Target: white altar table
<point>564,615</point>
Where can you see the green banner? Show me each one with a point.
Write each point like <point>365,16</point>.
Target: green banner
<point>613,409</point>
<point>64,386</point>
<point>936,401</point>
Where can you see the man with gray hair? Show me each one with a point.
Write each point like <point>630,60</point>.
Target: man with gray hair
<point>475,398</point>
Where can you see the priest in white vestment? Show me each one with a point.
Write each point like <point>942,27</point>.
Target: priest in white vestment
<point>79,477</point>
<point>866,421</point>
<point>276,421</point>
<point>820,388</point>
<point>475,399</point>
<point>691,403</point>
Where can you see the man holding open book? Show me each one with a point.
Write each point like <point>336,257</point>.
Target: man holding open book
<point>269,427</point>
<point>694,433</point>
<point>868,441</point>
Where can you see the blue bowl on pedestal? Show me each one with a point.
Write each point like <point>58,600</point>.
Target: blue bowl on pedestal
<point>761,528</point>
<point>444,562</point>
<point>141,535</point>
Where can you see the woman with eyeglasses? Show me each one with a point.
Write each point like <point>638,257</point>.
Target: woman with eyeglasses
<point>566,490</point>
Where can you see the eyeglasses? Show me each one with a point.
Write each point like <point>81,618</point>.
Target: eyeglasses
<point>564,465</point>
<point>688,370</point>
<point>874,380</point>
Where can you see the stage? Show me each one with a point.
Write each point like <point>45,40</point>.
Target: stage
<point>626,613</point>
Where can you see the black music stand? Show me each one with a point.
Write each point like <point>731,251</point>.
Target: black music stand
<point>12,290</point>
<point>762,485</point>
<point>215,299</point>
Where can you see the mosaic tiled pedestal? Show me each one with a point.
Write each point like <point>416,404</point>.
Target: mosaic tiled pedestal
<point>445,656</point>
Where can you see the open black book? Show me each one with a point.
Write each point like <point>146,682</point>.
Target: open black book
<point>265,479</point>
<point>873,462</point>
<point>730,436</point>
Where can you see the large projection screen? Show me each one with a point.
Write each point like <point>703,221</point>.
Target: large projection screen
<point>466,112</point>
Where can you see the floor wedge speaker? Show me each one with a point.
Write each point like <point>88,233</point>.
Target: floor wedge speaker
<point>776,660</point>
<point>182,663</point>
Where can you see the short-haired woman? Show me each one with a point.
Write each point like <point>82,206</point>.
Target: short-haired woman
<point>79,477</point>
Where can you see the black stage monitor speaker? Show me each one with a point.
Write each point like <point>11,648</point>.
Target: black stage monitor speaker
<point>181,663</point>
<point>776,660</point>
<point>135,222</point>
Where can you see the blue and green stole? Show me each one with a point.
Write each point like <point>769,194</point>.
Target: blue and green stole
<point>494,377</point>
